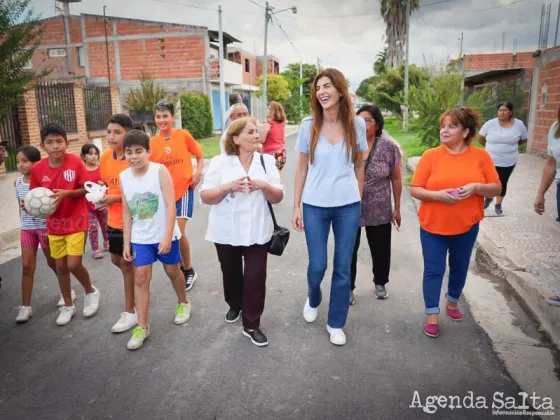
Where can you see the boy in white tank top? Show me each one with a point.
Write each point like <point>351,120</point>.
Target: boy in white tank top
<point>150,230</point>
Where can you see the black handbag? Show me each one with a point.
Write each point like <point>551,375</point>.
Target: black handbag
<point>281,235</point>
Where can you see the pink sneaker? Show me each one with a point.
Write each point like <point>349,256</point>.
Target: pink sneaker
<point>97,254</point>
<point>431,330</point>
<point>455,314</point>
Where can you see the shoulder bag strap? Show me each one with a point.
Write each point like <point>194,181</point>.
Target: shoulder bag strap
<point>268,202</point>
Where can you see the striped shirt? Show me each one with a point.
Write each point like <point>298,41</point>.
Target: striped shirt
<point>26,220</point>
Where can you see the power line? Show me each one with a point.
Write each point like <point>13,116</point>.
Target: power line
<point>254,2</point>
<point>285,34</point>
<point>186,5</point>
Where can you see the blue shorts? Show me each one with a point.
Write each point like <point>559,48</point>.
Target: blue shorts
<point>185,205</point>
<point>148,254</point>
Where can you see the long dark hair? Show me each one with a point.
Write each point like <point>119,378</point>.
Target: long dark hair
<point>377,116</point>
<point>345,113</point>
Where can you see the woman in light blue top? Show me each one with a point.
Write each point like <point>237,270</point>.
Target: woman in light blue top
<point>329,181</point>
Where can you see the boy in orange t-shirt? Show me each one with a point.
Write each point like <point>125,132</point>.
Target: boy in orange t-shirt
<point>173,148</point>
<point>112,163</point>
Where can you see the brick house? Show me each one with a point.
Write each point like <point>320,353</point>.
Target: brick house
<point>545,97</point>
<point>508,74</point>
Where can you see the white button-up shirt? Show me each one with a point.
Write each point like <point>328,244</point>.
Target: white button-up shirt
<point>244,219</point>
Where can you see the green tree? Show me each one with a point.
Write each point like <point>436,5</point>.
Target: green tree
<point>297,106</point>
<point>379,67</point>
<point>196,114</point>
<point>363,90</point>
<point>431,97</point>
<point>20,33</point>
<point>394,15</point>
<point>143,99</point>
<point>277,86</point>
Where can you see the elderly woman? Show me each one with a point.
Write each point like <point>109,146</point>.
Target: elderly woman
<point>551,173</point>
<point>382,163</point>
<point>502,136</point>
<point>238,110</point>
<point>238,185</point>
<point>451,181</point>
<point>272,133</point>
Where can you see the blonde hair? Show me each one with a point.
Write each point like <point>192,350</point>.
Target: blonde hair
<point>278,113</point>
<point>235,130</point>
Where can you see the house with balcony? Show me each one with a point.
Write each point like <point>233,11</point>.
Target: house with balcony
<point>116,51</point>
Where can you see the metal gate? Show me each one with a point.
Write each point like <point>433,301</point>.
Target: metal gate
<point>10,131</point>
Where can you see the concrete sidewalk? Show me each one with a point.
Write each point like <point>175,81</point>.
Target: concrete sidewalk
<point>524,246</point>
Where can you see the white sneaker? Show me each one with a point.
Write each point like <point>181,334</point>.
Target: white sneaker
<point>91,303</point>
<point>125,322</point>
<point>66,314</point>
<point>25,312</point>
<point>61,300</point>
<point>338,337</point>
<point>309,313</point>
<point>139,335</point>
<point>182,313</point>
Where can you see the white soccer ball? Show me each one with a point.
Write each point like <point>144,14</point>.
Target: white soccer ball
<point>38,202</point>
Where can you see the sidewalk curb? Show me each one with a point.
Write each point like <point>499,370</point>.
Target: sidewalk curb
<point>9,238</point>
<point>523,283</point>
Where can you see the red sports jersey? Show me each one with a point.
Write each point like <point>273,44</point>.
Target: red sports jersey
<point>71,215</point>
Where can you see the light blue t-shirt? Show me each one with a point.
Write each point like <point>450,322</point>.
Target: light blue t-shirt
<point>331,180</point>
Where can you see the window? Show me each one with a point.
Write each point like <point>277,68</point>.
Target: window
<point>247,66</point>
<point>81,57</point>
<point>57,52</point>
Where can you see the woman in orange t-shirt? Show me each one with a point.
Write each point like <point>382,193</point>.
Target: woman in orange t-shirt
<point>451,181</point>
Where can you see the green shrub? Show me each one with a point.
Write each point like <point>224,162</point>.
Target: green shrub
<point>196,114</point>
<point>432,97</point>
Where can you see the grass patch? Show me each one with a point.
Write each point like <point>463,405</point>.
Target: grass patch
<point>210,146</point>
<point>408,141</point>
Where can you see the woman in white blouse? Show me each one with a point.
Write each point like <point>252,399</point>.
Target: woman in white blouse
<point>240,225</point>
<point>502,136</point>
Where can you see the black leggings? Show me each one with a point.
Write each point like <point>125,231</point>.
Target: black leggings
<point>504,172</point>
<point>379,241</point>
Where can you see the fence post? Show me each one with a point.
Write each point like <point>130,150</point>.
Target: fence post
<point>115,100</point>
<point>29,120</point>
<point>80,114</point>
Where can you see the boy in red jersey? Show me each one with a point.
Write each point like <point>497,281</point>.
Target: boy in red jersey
<point>113,162</point>
<point>173,148</point>
<point>65,174</point>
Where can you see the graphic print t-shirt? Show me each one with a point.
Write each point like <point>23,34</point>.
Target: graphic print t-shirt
<point>111,168</point>
<point>71,215</point>
<point>175,153</point>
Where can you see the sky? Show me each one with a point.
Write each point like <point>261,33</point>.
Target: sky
<point>346,34</point>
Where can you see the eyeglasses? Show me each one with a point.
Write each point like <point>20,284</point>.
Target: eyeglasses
<point>369,121</point>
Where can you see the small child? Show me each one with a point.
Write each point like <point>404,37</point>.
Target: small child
<point>151,231</point>
<point>65,174</point>
<point>33,232</point>
<point>97,217</point>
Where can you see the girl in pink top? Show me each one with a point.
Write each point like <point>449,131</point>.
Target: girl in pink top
<point>273,133</point>
<point>97,218</point>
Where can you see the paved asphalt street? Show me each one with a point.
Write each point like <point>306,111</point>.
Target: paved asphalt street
<point>208,370</point>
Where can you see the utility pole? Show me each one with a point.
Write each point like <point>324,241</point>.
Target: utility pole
<point>460,45</point>
<point>107,46</point>
<point>66,16</point>
<point>268,12</point>
<point>557,23</point>
<point>406,76</point>
<point>221,62</point>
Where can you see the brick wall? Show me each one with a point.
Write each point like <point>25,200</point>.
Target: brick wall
<point>30,128</point>
<point>546,97</point>
<point>159,49</point>
<point>273,66</point>
<point>239,56</point>
<point>498,61</point>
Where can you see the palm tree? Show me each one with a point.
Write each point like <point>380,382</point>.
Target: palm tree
<point>394,15</point>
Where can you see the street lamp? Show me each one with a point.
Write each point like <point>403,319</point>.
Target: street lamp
<point>267,16</point>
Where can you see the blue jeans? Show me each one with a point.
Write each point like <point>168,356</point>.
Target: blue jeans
<point>434,250</point>
<point>345,221</point>
<point>558,199</point>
